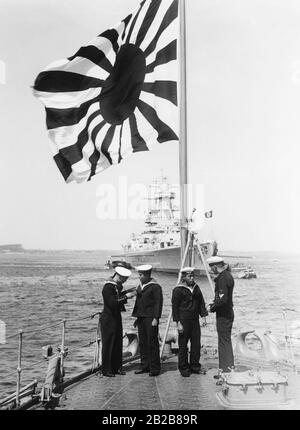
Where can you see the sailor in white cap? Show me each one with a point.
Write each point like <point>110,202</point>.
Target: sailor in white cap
<point>223,306</point>
<point>123,272</point>
<point>147,310</point>
<point>216,260</point>
<point>111,322</point>
<point>187,306</point>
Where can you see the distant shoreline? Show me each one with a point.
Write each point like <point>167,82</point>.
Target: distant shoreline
<point>18,249</point>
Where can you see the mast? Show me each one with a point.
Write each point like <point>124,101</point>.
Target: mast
<point>183,131</point>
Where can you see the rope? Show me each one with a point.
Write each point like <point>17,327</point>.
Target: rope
<point>46,327</point>
<point>26,367</point>
<point>42,328</point>
<point>11,336</point>
<point>12,373</point>
<point>87,344</point>
<point>83,319</point>
<point>34,364</point>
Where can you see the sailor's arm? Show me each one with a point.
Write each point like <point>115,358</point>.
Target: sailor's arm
<point>222,295</point>
<point>175,309</point>
<point>110,296</point>
<point>203,311</point>
<point>158,299</point>
<point>127,294</point>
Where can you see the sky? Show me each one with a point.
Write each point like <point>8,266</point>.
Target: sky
<point>243,70</point>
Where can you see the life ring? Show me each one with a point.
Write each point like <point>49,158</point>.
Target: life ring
<point>132,348</point>
<point>172,338</point>
<point>269,347</point>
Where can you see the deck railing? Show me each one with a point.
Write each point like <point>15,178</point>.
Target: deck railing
<point>62,352</point>
<point>30,389</point>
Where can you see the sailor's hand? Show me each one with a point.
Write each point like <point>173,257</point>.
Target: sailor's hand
<point>179,327</point>
<point>154,322</point>
<point>130,295</point>
<point>204,322</point>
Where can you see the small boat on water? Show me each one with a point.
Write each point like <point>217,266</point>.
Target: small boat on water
<point>247,274</point>
<point>242,271</point>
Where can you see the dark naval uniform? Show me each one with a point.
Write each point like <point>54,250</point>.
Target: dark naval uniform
<point>111,327</point>
<point>148,305</point>
<point>187,305</point>
<point>223,306</point>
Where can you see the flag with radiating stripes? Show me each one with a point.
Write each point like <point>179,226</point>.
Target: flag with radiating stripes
<point>117,95</point>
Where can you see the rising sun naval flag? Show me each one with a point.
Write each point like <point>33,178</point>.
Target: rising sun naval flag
<point>117,95</point>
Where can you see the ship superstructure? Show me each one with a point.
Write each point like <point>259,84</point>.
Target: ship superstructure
<point>159,243</point>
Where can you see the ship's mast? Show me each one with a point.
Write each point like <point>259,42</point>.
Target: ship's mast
<point>183,132</point>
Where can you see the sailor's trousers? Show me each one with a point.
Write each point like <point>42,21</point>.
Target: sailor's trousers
<point>112,342</point>
<point>192,333</point>
<point>149,345</point>
<point>224,328</point>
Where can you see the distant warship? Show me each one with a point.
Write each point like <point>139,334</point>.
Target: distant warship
<point>159,243</point>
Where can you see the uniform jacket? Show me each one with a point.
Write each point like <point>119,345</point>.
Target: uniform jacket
<point>113,299</point>
<point>187,304</point>
<point>149,301</point>
<point>223,304</point>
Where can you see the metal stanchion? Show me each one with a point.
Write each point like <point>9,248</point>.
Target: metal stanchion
<point>288,344</point>
<point>62,348</point>
<point>178,280</point>
<point>19,368</point>
<point>205,266</point>
<point>97,345</point>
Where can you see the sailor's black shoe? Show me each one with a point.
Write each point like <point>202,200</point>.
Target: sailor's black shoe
<point>120,372</point>
<point>216,376</point>
<point>153,373</point>
<point>108,374</point>
<point>185,373</point>
<point>140,371</point>
<point>200,371</point>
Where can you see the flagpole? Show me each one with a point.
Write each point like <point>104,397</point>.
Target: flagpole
<point>184,234</point>
<point>183,132</point>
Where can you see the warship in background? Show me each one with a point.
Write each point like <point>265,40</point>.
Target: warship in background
<point>159,243</point>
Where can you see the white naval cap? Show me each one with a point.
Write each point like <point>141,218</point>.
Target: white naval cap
<point>144,268</point>
<point>122,271</point>
<point>214,260</point>
<point>188,270</point>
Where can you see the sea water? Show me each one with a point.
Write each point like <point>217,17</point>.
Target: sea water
<point>41,288</point>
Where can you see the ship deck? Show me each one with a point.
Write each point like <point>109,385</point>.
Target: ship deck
<point>168,391</point>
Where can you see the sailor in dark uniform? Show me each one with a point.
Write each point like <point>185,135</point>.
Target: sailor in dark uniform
<point>223,306</point>
<point>111,322</point>
<point>187,305</point>
<point>147,310</point>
